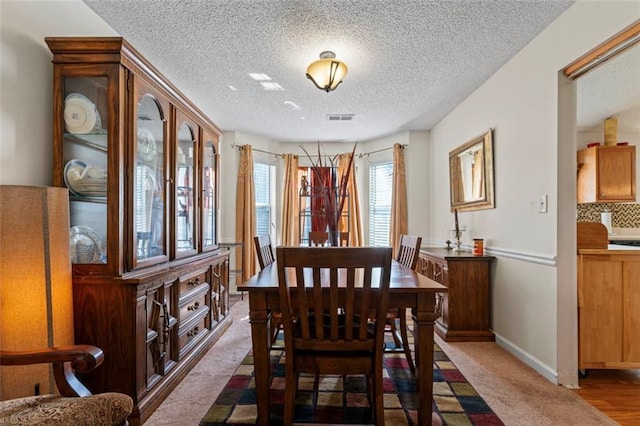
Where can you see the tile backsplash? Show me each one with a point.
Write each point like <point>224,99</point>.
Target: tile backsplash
<point>623,215</point>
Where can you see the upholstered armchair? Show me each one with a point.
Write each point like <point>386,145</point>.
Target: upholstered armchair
<point>75,405</point>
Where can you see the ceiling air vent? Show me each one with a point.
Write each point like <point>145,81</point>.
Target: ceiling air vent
<point>340,117</point>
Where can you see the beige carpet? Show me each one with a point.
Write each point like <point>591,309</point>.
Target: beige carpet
<point>516,393</point>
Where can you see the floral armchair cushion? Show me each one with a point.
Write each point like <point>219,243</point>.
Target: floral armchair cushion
<point>95,410</point>
<point>75,406</point>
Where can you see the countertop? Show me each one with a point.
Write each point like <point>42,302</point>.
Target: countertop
<point>625,234</point>
<point>620,247</point>
<point>612,250</point>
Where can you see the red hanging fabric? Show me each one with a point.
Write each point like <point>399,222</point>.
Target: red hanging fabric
<point>320,180</point>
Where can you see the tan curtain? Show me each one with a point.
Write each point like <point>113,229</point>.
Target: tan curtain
<point>246,211</point>
<point>290,208</point>
<point>398,198</point>
<point>355,221</point>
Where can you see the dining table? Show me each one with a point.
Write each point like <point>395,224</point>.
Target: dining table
<point>408,289</point>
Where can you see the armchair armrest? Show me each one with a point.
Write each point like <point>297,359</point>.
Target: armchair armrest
<point>66,361</point>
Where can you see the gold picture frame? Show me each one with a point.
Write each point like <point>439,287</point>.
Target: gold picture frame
<point>471,174</point>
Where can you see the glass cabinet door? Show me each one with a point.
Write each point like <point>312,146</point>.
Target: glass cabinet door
<point>209,191</point>
<point>85,159</point>
<point>149,177</point>
<point>185,207</point>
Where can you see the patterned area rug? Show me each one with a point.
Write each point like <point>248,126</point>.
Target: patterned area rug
<point>340,401</point>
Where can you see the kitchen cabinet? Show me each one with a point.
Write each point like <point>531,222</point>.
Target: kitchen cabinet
<point>141,164</point>
<point>607,174</point>
<point>608,308</point>
<point>464,308</point>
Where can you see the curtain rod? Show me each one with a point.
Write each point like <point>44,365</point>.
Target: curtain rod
<point>233,145</point>
<point>240,147</point>
<point>378,150</point>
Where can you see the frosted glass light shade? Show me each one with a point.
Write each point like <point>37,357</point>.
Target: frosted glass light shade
<point>327,72</point>
<point>36,309</point>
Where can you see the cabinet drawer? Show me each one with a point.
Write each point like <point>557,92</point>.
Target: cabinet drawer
<point>193,330</point>
<point>432,268</point>
<point>188,283</point>
<point>190,303</point>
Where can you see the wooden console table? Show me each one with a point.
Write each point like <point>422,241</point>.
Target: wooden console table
<point>465,307</point>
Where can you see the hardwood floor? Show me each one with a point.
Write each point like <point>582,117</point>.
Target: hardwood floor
<point>614,392</point>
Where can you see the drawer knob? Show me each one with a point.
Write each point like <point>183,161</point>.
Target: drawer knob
<point>194,283</point>
<point>193,307</point>
<point>193,332</point>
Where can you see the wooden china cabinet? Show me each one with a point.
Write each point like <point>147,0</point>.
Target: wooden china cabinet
<point>141,163</point>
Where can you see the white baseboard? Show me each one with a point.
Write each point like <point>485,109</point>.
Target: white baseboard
<point>540,367</point>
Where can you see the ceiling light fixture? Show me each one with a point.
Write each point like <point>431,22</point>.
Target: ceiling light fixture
<point>327,72</point>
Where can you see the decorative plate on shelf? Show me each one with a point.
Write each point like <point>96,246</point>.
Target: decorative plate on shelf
<point>84,180</point>
<point>80,114</point>
<point>73,173</point>
<point>85,245</point>
<point>146,144</point>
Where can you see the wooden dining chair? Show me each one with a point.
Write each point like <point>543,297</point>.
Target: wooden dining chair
<point>264,251</point>
<point>408,254</point>
<point>327,296</point>
<point>318,238</point>
<point>344,239</point>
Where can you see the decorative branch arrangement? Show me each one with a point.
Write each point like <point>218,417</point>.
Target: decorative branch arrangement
<point>334,194</point>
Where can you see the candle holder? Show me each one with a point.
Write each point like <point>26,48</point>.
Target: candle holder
<point>457,238</point>
<point>457,234</point>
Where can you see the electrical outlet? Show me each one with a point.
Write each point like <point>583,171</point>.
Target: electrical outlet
<point>542,204</point>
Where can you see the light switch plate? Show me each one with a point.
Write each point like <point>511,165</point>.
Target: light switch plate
<point>542,204</point>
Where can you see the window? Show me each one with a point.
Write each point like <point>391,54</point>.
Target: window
<point>264,180</point>
<point>380,185</point>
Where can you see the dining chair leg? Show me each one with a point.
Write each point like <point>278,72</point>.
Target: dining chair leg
<point>316,389</point>
<point>377,398</point>
<point>405,339</point>
<point>276,322</point>
<point>394,333</point>
<point>290,392</point>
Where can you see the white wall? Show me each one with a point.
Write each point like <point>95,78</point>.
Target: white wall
<point>520,102</point>
<point>26,83</point>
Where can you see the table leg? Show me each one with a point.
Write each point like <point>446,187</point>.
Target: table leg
<point>258,317</point>
<point>423,341</point>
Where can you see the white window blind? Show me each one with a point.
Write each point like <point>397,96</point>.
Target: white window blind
<point>264,180</point>
<point>380,185</point>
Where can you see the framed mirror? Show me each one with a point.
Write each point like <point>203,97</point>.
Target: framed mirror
<point>471,174</point>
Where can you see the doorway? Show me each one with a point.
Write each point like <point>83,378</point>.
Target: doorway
<point>600,84</point>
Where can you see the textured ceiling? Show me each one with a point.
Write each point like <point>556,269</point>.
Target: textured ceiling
<point>410,62</point>
<point>612,89</point>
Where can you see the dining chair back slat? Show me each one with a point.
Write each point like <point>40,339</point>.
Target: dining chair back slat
<point>321,239</point>
<point>264,250</point>
<point>318,238</point>
<point>409,250</point>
